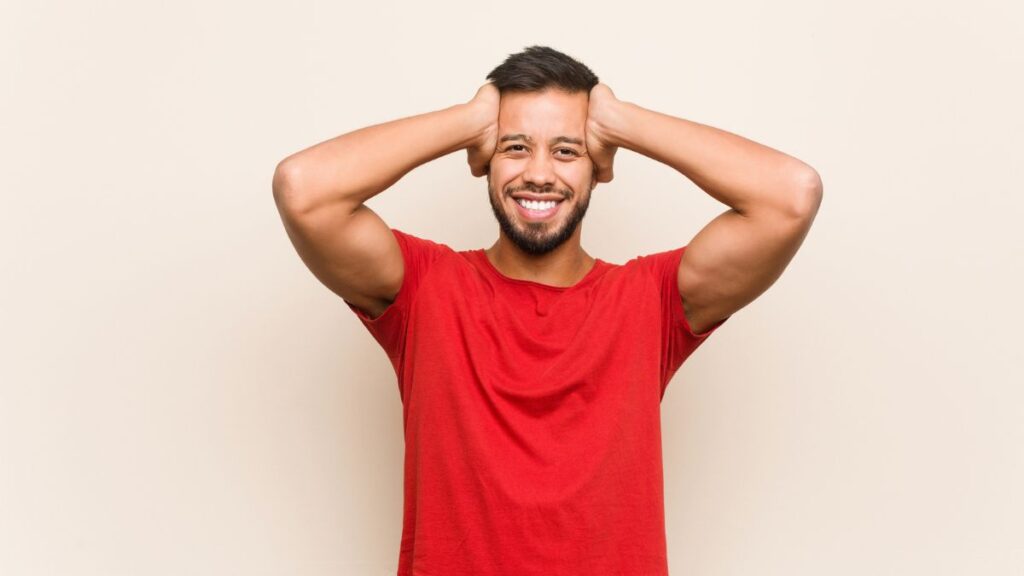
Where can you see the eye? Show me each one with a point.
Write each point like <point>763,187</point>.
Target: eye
<point>569,150</point>
<point>513,146</point>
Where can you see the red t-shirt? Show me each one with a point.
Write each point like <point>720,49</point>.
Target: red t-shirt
<point>532,413</point>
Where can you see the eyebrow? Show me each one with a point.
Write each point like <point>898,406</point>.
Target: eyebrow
<point>551,142</point>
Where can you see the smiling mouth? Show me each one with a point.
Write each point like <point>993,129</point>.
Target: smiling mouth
<point>534,210</point>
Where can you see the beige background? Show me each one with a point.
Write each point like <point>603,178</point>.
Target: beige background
<point>181,396</point>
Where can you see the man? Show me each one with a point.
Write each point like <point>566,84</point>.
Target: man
<point>531,373</point>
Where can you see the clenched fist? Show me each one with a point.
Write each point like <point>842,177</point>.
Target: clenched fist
<point>485,109</point>
<point>600,145</point>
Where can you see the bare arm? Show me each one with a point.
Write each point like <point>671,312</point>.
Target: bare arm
<point>773,199</point>
<point>320,193</point>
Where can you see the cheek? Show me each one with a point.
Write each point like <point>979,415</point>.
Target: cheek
<point>506,166</point>
<point>504,174</point>
<point>577,175</point>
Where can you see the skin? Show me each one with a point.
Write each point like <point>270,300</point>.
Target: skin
<point>773,198</point>
<point>321,194</point>
<point>525,158</point>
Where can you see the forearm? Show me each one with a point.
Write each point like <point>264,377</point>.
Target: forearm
<point>352,168</point>
<point>747,176</point>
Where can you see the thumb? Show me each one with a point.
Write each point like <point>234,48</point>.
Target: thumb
<point>608,164</point>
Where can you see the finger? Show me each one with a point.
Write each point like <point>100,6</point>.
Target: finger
<point>474,165</point>
<point>610,164</point>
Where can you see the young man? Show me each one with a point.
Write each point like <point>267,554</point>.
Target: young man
<point>530,372</point>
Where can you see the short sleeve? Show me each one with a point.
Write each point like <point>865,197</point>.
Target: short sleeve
<point>678,340</point>
<point>390,328</point>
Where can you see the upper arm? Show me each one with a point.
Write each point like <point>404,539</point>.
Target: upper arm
<point>348,248</point>
<point>736,257</point>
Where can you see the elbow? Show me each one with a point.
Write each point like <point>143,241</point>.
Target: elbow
<point>284,186</point>
<point>808,194</point>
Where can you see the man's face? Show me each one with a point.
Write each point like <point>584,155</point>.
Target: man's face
<point>541,153</point>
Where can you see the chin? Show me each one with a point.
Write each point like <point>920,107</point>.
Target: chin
<point>540,236</point>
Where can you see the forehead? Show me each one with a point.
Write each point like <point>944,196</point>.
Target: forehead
<point>543,114</point>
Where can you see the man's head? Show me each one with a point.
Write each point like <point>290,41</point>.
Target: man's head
<point>541,149</point>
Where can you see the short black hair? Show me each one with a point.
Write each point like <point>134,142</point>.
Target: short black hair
<point>538,68</point>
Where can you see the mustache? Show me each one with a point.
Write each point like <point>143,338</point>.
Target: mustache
<point>565,194</point>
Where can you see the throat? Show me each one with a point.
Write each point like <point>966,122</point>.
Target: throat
<point>555,270</point>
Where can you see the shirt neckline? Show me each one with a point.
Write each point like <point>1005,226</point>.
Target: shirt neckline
<point>591,274</point>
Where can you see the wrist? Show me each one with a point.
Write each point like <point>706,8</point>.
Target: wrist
<point>465,119</point>
<point>480,120</point>
<point>614,125</point>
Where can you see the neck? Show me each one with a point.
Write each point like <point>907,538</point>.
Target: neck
<point>562,267</point>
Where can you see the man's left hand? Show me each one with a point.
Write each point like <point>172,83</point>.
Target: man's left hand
<point>600,146</point>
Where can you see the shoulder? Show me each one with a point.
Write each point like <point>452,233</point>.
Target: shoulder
<point>418,244</point>
<point>656,265</point>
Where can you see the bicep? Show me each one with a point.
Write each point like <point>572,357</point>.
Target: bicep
<point>352,252</point>
<point>734,259</point>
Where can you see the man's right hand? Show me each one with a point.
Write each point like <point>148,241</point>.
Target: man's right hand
<point>485,105</point>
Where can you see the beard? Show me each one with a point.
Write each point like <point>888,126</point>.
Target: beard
<point>537,238</point>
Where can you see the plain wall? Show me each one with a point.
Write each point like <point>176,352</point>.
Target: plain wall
<point>179,394</point>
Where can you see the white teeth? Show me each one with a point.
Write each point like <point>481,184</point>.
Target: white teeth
<point>536,205</point>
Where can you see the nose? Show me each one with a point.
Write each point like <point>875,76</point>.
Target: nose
<point>540,170</point>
